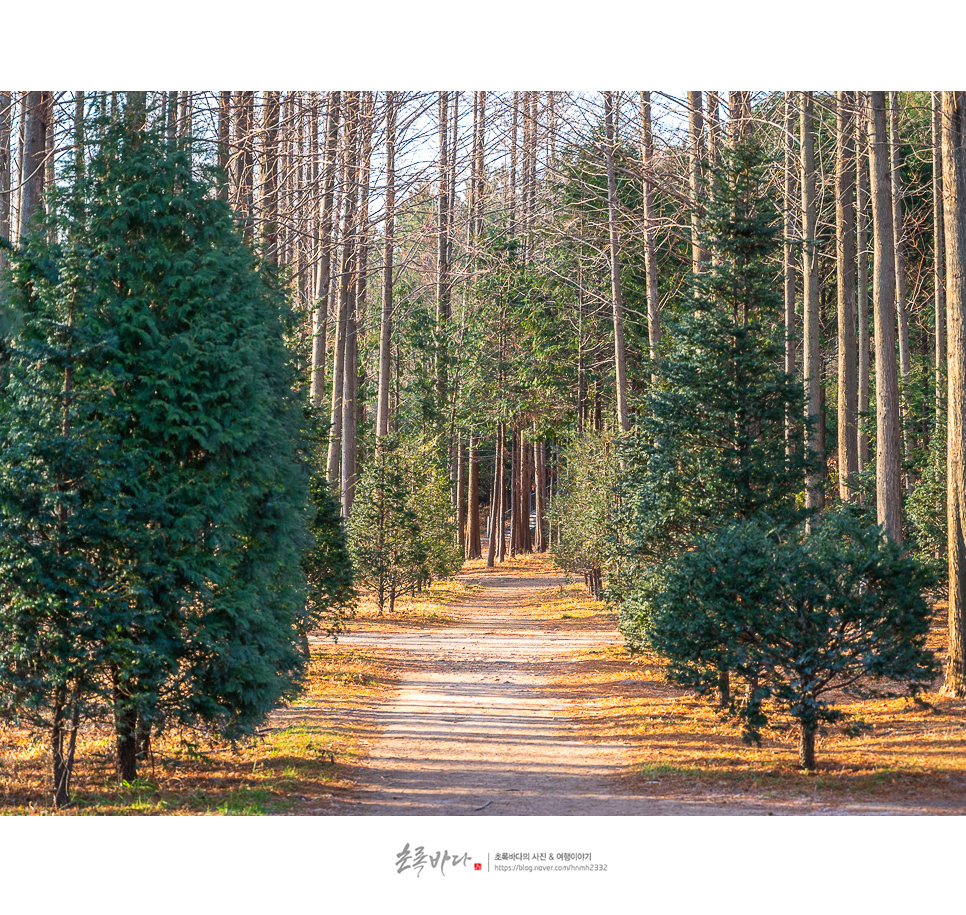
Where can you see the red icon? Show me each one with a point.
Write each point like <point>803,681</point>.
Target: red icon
<point>477,867</point>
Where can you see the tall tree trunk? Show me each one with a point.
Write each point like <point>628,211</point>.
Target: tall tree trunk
<point>347,286</point>
<point>515,492</point>
<point>495,545</point>
<point>714,128</point>
<point>245,170</point>
<point>790,206</point>
<point>954,219</point>
<point>356,312</point>
<point>902,311</point>
<point>269,201</point>
<point>845,262</point>
<point>474,547</point>
<point>224,144</point>
<point>699,257</point>
<point>442,256</point>
<point>888,454</point>
<point>812,355</point>
<point>6,122</point>
<point>33,172</point>
<point>650,246</point>
<point>385,323</point>
<point>324,268</point>
<point>620,362</point>
<point>540,495</point>
<point>939,246</point>
<point>862,285</point>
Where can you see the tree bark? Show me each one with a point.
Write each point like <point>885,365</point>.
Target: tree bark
<point>474,547</point>
<point>620,364</point>
<point>356,312</point>
<point>269,201</point>
<point>224,145</point>
<point>245,170</point>
<point>33,172</point>
<point>899,253</point>
<point>848,446</point>
<point>385,323</point>
<point>888,458</point>
<point>939,273</point>
<point>496,503</point>
<point>540,496</point>
<point>6,121</point>
<point>862,285</point>
<point>650,246</point>
<point>789,254</point>
<point>323,271</point>
<point>812,356</point>
<point>954,219</point>
<point>699,257</point>
<point>346,285</point>
<point>442,256</point>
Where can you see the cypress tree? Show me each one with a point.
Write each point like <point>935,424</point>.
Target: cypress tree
<point>154,494</point>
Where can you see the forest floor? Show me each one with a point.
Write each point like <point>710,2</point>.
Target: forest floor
<point>509,692</point>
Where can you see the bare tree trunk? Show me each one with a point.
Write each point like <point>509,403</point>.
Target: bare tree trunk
<point>714,128</point>
<point>540,496</point>
<point>33,173</point>
<point>496,503</point>
<point>888,460</point>
<point>862,290</point>
<point>461,509</point>
<point>699,257</point>
<point>474,548</point>
<point>269,201</point>
<point>954,220</point>
<point>812,355</point>
<point>385,324</point>
<point>224,144</point>
<point>346,284</point>
<point>6,126</point>
<point>650,246</point>
<point>620,364</point>
<point>245,170</point>
<point>789,253</point>
<point>902,311</point>
<point>356,312</point>
<point>442,255</point>
<point>324,270</point>
<point>845,258</point>
<point>939,273</point>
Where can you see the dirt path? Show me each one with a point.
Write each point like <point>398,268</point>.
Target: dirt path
<point>474,731</point>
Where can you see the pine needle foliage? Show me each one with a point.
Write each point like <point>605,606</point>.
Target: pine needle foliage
<point>710,445</point>
<point>799,614</point>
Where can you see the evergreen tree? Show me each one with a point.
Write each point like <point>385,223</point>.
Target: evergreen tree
<point>583,509</point>
<point>155,506</point>
<point>710,446</point>
<point>799,614</point>
<point>388,552</point>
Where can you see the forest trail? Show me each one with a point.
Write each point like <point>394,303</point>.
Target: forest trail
<point>475,729</point>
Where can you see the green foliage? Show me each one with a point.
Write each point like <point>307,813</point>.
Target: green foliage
<point>582,512</point>
<point>327,565</point>
<point>796,614</point>
<point>401,534</point>
<point>710,446</point>
<point>926,509</point>
<point>154,499</point>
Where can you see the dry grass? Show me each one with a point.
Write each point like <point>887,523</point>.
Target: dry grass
<point>681,747</point>
<point>297,763</point>
<point>429,607</point>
